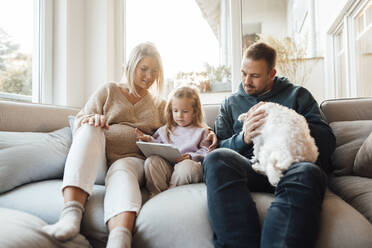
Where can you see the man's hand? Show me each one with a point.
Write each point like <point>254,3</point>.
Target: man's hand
<point>142,136</point>
<point>253,121</point>
<point>97,121</point>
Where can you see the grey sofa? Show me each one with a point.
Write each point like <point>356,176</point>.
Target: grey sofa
<point>176,217</point>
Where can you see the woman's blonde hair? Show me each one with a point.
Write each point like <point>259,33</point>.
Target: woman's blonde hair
<point>137,54</point>
<point>189,92</point>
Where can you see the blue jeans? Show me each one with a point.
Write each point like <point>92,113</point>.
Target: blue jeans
<point>292,219</point>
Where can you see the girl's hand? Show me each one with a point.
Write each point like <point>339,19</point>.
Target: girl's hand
<point>141,136</point>
<point>184,156</point>
<point>212,137</point>
<point>97,121</point>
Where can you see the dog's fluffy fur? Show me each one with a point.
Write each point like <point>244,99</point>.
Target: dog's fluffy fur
<point>284,139</point>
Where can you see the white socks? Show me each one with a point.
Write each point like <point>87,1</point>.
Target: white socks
<point>120,237</point>
<point>69,222</point>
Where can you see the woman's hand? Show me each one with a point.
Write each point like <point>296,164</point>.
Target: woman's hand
<point>212,138</point>
<point>141,136</point>
<point>97,121</point>
<point>184,156</point>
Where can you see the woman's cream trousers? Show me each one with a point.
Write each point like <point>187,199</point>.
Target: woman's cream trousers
<point>86,164</point>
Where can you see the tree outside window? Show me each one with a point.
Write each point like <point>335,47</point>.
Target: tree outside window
<point>15,67</point>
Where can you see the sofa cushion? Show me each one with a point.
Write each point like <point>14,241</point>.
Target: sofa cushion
<point>35,198</point>
<point>363,159</point>
<point>341,226</point>
<point>356,191</point>
<point>32,156</point>
<point>24,231</point>
<point>350,135</point>
<point>179,218</point>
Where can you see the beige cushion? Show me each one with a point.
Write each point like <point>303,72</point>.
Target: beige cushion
<point>350,136</point>
<point>356,191</point>
<point>363,159</point>
<point>341,226</point>
<point>178,217</point>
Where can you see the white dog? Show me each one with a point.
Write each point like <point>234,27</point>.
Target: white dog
<point>284,139</point>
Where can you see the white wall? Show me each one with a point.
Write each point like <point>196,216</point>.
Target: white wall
<point>271,13</point>
<point>76,53</point>
<point>96,45</point>
<point>87,45</point>
<point>68,52</point>
<point>315,82</point>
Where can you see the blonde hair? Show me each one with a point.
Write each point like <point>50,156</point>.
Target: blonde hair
<point>189,92</point>
<point>137,54</point>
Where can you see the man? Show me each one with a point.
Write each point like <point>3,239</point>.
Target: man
<point>293,217</point>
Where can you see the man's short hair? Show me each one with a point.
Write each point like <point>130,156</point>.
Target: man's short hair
<point>261,50</point>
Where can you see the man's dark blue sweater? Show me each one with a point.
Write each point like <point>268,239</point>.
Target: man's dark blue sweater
<point>229,129</point>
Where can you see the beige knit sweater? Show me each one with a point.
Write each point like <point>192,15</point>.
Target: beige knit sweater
<point>123,117</point>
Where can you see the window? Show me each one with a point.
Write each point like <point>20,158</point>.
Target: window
<point>16,49</point>
<point>351,46</point>
<point>188,40</point>
<point>26,50</point>
<point>288,26</point>
<point>340,65</point>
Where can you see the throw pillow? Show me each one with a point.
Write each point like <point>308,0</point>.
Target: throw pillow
<point>363,159</point>
<point>30,156</point>
<point>23,230</point>
<point>350,136</point>
<point>71,120</point>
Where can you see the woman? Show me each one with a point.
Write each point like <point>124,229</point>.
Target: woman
<point>104,133</point>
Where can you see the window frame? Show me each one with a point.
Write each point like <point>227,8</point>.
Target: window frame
<point>346,18</point>
<point>42,66</point>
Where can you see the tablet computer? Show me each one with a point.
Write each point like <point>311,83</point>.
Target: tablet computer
<point>166,151</point>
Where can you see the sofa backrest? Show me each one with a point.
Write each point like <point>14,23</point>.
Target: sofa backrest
<point>210,113</point>
<point>347,109</point>
<point>16,116</point>
<point>30,117</point>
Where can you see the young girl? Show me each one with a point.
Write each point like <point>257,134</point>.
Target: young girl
<point>185,129</point>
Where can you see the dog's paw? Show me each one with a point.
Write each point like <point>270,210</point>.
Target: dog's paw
<point>274,176</point>
<point>258,168</point>
<point>274,180</point>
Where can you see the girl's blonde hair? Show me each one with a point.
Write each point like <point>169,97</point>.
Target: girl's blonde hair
<point>189,92</point>
<point>137,54</point>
